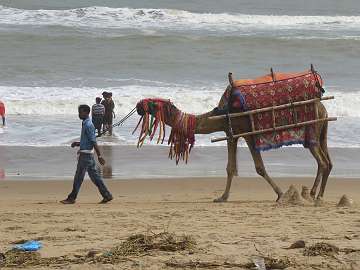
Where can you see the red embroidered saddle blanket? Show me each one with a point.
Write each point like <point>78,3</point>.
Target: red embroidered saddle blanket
<point>270,91</point>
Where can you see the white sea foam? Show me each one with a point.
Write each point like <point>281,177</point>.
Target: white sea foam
<point>345,104</point>
<point>129,18</point>
<point>31,109</point>
<point>64,100</point>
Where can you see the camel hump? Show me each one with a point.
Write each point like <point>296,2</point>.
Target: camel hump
<point>278,76</point>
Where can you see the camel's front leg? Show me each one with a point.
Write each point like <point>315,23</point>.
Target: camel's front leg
<point>260,168</point>
<point>231,169</point>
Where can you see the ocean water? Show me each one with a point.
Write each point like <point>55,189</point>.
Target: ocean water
<point>56,55</point>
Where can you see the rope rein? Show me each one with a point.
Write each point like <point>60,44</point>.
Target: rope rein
<point>120,123</point>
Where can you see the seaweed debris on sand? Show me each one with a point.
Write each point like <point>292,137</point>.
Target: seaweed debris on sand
<point>135,245</point>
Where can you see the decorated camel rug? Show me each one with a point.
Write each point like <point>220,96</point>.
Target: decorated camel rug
<point>270,91</point>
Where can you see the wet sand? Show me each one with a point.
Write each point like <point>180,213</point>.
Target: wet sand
<point>128,162</point>
<point>249,224</point>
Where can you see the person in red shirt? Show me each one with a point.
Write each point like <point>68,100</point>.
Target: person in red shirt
<point>2,112</point>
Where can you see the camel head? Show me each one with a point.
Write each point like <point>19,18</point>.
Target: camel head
<point>155,114</point>
<point>158,108</point>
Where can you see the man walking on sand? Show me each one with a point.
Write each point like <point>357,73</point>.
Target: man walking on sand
<point>86,160</point>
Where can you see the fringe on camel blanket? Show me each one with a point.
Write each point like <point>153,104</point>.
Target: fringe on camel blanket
<point>155,114</point>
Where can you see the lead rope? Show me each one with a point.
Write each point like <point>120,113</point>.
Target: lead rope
<point>120,123</point>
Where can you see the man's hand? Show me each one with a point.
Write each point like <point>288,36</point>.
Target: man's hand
<point>75,144</point>
<point>101,160</point>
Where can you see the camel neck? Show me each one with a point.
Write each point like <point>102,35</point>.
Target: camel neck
<point>205,125</point>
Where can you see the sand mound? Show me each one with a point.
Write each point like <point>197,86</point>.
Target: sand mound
<point>305,193</point>
<point>291,197</point>
<point>345,201</point>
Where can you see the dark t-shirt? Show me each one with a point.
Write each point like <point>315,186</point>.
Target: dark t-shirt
<point>109,108</point>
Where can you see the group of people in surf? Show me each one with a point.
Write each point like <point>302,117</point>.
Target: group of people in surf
<point>102,114</point>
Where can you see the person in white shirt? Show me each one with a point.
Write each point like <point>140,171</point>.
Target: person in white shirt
<point>97,115</point>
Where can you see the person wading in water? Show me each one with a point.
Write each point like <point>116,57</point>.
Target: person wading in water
<point>86,160</point>
<point>109,112</point>
<point>97,115</point>
<point>2,112</point>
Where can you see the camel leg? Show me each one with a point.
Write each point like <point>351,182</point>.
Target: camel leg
<point>318,157</point>
<point>260,168</point>
<point>317,153</point>
<point>325,151</point>
<point>231,169</point>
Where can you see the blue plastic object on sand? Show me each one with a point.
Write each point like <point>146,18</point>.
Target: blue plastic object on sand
<point>29,246</point>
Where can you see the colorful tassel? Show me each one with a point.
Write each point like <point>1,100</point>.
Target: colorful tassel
<point>182,135</point>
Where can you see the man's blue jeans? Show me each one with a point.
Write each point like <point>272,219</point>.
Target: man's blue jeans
<point>86,163</point>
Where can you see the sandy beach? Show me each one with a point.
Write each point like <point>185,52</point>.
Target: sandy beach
<point>227,235</point>
<point>56,55</point>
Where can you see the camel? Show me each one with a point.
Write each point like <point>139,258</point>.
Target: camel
<point>206,125</point>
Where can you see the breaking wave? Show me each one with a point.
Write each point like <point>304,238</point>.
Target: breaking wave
<point>193,99</point>
<point>178,20</point>
<point>64,100</point>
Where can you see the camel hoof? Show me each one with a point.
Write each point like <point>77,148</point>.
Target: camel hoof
<point>279,196</point>
<point>319,202</point>
<point>220,200</point>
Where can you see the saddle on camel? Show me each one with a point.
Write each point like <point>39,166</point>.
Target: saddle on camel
<point>268,112</point>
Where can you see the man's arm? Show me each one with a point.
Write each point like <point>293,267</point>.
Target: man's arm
<point>100,158</point>
<point>90,130</point>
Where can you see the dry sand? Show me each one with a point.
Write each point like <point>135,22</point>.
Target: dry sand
<point>250,224</point>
